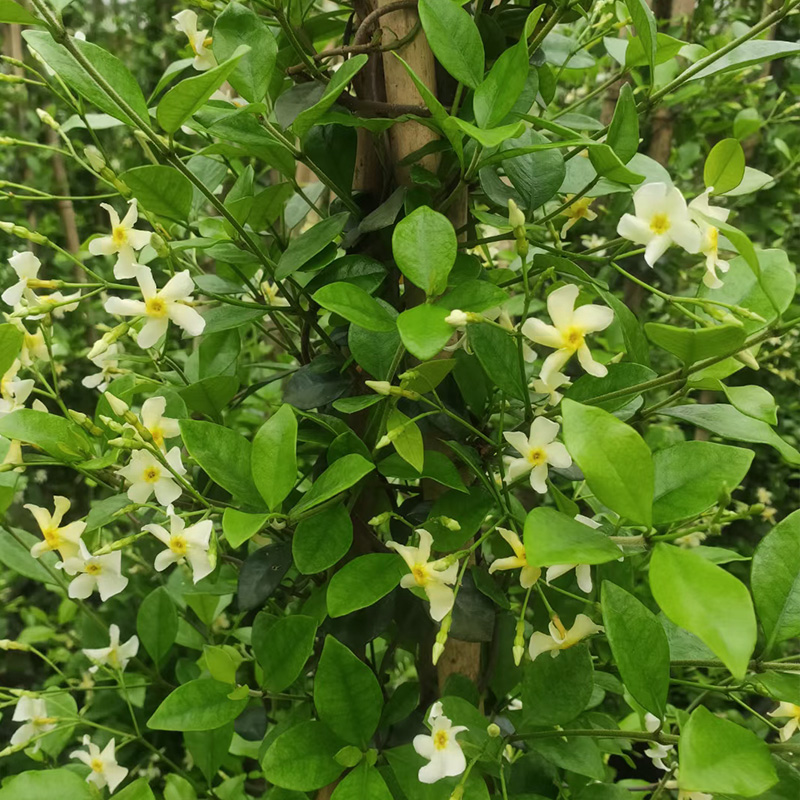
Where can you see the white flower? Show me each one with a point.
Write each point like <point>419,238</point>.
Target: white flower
<point>123,242</point>
<point>689,540</point>
<point>186,22</point>
<point>108,364</point>
<point>56,298</point>
<point>185,544</point>
<point>160,306</point>
<point>791,711</point>
<point>576,211</point>
<point>440,747</point>
<point>567,334</point>
<point>433,577</point>
<point>657,753</point>
<point>538,449</point>
<point>457,318</point>
<point>116,655</point>
<point>147,474</point>
<point>556,381</point>
<point>709,242</point>
<point>272,295</point>
<point>34,347</point>
<point>661,219</point>
<point>560,638</point>
<point>26,265</point>
<point>593,241</point>
<point>104,768</point>
<point>13,392</point>
<point>153,419</point>
<point>583,572</point>
<point>528,575</point>
<point>33,712</point>
<point>94,573</point>
<point>66,539</point>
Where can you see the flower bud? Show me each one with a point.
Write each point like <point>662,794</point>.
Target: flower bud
<point>493,730</point>
<point>450,523</point>
<point>159,244</point>
<point>118,406</point>
<point>380,519</point>
<point>516,219</point>
<point>747,358</point>
<point>436,652</point>
<point>47,119</point>
<point>518,653</point>
<point>457,318</point>
<point>381,387</point>
<point>457,793</point>
<point>95,158</point>
<point>10,644</point>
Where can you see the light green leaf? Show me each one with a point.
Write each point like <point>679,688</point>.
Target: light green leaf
<point>322,539</point>
<point>11,340</point>
<point>424,331</point>
<point>302,758</point>
<point>707,601</point>
<point>46,783</point>
<point>273,459</point>
<point>691,345</point>
<point>454,39</point>
<point>61,438</point>
<point>406,438</point>
<point>623,133</point>
<point>161,190</point>
<point>363,782</point>
<point>724,167</point>
<point>341,475</point>
<point>609,165</point>
<point>614,459</point>
<point>355,305</point>
<point>554,538</point>
<point>748,54</point>
<point>199,705</point>
<point>282,646</point>
<point>493,136</point>
<point>755,401</point>
<point>239,526</point>
<point>424,246</point>
<point>157,624</point>
<point>308,244</point>
<point>363,581</point>
<point>14,14</point>
<point>646,29</point>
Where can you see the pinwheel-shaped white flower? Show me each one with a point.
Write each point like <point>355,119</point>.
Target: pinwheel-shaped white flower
<point>26,266</point>
<point>60,304</point>
<point>538,450</point>
<point>147,475</point>
<point>567,334</point>
<point>583,572</point>
<point>116,655</point>
<point>34,347</point>
<point>700,208</point>
<point>441,748</point>
<point>576,211</point>
<point>33,712</point>
<point>791,711</point>
<point>103,764</point>
<point>528,575</point>
<point>94,573</point>
<point>153,419</point>
<point>661,219</point>
<point>108,364</point>
<point>160,306</point>
<point>657,753</point>
<point>66,539</point>
<point>185,544</point>
<point>433,577</point>
<point>186,22</point>
<point>557,380</point>
<point>123,241</point>
<point>13,391</point>
<point>560,638</point>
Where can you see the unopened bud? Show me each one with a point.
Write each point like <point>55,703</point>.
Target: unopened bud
<point>747,358</point>
<point>95,158</point>
<point>5,78</point>
<point>159,244</point>
<point>457,793</point>
<point>457,318</point>
<point>493,730</point>
<point>518,652</point>
<point>23,233</point>
<point>112,424</point>
<point>380,387</point>
<point>47,119</point>
<point>10,644</point>
<point>450,523</point>
<point>123,443</point>
<point>380,519</point>
<point>436,652</point>
<point>118,406</point>
<point>516,219</point>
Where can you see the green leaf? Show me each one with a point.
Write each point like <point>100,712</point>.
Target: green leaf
<point>690,477</point>
<point>473,295</point>
<point>748,54</point>
<point>536,176</point>
<point>496,95</point>
<point>305,120</point>
<point>775,581</point>
<point>138,790</point>
<point>161,190</point>
<point>282,647</point>
<point>556,690</point>
<point>347,694</point>
<point>363,581</point>
<point>553,538</point>
<point>724,167</point>
<point>497,351</point>
<point>302,758</point>
<point>423,330</point>
<point>454,39</point>
<point>362,783</point>
<point>261,574</point>
<point>239,526</point>
<point>209,749</point>
<point>342,474</point>
<point>424,246</point>
<point>639,646</point>
<point>321,540</point>
<point>719,756</point>
<point>61,438</point>
<point>46,783</point>
<point>14,14</point>
<point>355,305</point>
<point>707,601</point>
<point>59,59</point>
<point>406,438</point>
<point>437,467</point>
<point>646,29</point>
<point>15,554</point>
<point>190,95</point>
<point>614,459</point>
<point>237,26</point>
<point>11,341</point>
<point>199,705</point>
<point>224,454</point>
<point>308,244</point>
<point>273,459</point>
<point>609,165</point>
<point>619,376</point>
<point>623,133</point>
<point>755,401</point>
<point>492,137</point>
<point>157,624</point>
<point>727,422</point>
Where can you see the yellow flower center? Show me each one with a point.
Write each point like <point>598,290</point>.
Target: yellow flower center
<point>151,474</point>
<point>659,224</point>
<point>573,338</point>
<point>155,307</point>
<point>158,436</point>
<point>536,456</point>
<point>178,545</point>
<point>440,739</point>
<point>119,235</point>
<point>562,631</point>
<point>93,568</point>
<point>579,208</point>
<point>420,573</point>
<point>51,536</point>
<point>713,239</point>
<point>96,764</point>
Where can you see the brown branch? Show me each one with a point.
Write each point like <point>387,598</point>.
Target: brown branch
<point>362,34</point>
<point>377,108</point>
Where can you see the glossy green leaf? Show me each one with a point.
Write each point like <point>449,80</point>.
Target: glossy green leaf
<point>282,647</point>
<point>646,28</point>
<point>424,247</point>
<point>157,624</point>
<point>496,95</point>
<point>239,526</point>
<point>554,538</point>
<point>14,14</point>
<point>11,341</point>
<point>62,783</point>
<point>497,351</point>
<point>199,705</point>
<point>61,438</point>
<point>363,581</point>
<point>161,190</point>
<point>363,782</point>
<point>406,438</point>
<point>623,133</point>
<point>341,475</point>
<point>724,167</point>
<point>707,601</point>
<point>311,242</point>
<point>755,401</point>
<point>273,458</point>
<point>423,330</point>
<point>748,54</point>
<point>355,305</point>
<point>614,459</point>
<point>262,573</point>
<point>454,39</point>
<point>609,165</point>
<point>321,540</point>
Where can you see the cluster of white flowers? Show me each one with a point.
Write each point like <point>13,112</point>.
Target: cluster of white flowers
<point>440,747</point>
